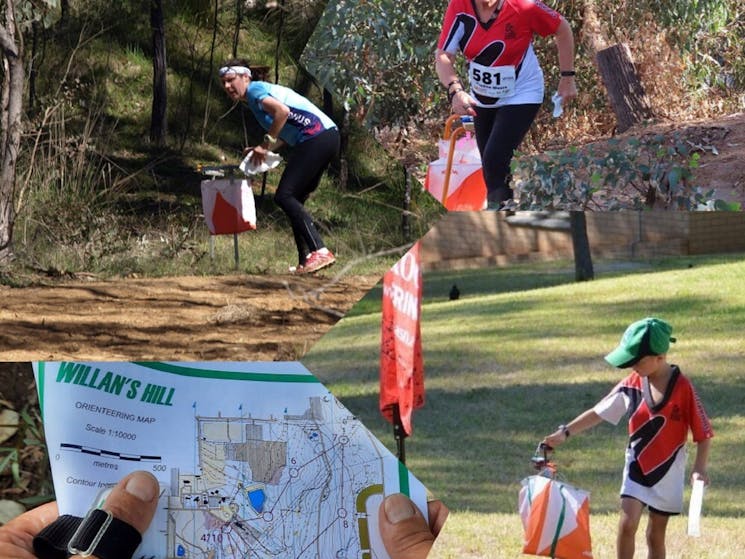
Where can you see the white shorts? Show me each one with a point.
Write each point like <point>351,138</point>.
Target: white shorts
<point>666,495</point>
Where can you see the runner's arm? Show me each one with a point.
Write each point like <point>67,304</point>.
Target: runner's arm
<point>461,102</point>
<point>582,422</point>
<point>279,111</point>
<point>565,47</point>
<point>702,458</point>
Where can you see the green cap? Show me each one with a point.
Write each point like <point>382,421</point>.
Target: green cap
<point>649,336</point>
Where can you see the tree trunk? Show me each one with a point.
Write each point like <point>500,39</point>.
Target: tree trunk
<point>279,39</point>
<point>583,270</point>
<point>406,213</point>
<point>237,30</point>
<point>343,163</point>
<point>11,105</point>
<point>32,68</point>
<point>212,66</point>
<point>158,119</point>
<point>328,103</point>
<point>625,90</point>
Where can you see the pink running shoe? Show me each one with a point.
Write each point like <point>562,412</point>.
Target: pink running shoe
<point>317,261</point>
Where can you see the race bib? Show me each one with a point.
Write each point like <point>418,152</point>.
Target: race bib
<point>492,81</point>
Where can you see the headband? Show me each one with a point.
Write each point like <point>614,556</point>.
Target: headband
<point>235,70</point>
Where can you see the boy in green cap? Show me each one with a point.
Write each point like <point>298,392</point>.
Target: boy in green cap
<point>662,406</point>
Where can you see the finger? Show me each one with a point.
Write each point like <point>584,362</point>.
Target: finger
<point>438,514</point>
<point>134,500</point>
<point>403,529</point>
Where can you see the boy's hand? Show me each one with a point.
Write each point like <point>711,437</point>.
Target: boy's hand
<point>555,439</point>
<point>699,474</point>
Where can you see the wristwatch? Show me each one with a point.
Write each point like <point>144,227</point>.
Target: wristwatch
<point>563,428</point>
<point>269,140</point>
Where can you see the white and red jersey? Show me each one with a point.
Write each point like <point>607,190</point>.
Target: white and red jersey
<point>654,472</point>
<point>505,42</point>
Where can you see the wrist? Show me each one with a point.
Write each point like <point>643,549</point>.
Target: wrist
<point>453,94</point>
<point>268,141</point>
<point>567,73</point>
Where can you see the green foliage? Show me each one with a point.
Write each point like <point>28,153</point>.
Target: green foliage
<point>44,12</point>
<point>641,172</point>
<point>377,55</point>
<point>26,448</point>
<point>709,36</point>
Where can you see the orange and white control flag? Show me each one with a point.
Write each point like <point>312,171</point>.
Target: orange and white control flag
<point>466,189</point>
<point>228,206</point>
<point>556,519</point>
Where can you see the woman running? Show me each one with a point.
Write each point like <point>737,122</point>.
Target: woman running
<point>289,119</point>
<point>505,79</point>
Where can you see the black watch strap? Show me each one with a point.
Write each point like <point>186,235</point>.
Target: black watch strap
<point>98,533</point>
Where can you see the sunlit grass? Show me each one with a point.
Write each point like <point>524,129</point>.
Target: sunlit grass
<point>470,535</point>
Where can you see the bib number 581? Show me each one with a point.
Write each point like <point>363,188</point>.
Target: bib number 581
<point>486,77</point>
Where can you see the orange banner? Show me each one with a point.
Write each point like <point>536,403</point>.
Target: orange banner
<point>401,365</point>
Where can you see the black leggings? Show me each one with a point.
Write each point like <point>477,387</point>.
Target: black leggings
<point>305,167</point>
<point>498,133</point>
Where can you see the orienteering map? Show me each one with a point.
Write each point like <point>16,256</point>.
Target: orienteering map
<point>254,459</point>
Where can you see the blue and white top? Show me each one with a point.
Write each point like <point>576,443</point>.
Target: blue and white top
<point>305,120</point>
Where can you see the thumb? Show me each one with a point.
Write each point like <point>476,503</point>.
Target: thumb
<point>403,529</point>
<point>133,500</point>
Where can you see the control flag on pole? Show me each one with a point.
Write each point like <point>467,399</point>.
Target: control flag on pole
<point>228,206</point>
<point>401,366</point>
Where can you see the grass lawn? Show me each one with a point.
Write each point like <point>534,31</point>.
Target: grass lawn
<point>522,351</point>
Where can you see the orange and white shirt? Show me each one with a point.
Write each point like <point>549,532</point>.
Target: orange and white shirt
<point>654,471</point>
<point>503,68</point>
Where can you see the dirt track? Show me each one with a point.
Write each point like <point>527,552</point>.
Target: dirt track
<point>231,318</point>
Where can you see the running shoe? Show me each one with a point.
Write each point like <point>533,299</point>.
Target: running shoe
<point>298,269</point>
<point>316,261</point>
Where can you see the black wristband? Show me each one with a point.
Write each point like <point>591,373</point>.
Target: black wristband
<point>98,532</point>
<point>456,80</point>
<point>568,73</point>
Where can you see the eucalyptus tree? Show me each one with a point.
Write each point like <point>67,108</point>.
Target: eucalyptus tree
<point>16,18</point>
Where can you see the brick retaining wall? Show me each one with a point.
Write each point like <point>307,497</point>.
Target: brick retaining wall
<point>472,239</point>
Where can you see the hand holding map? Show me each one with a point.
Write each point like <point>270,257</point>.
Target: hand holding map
<point>253,459</point>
